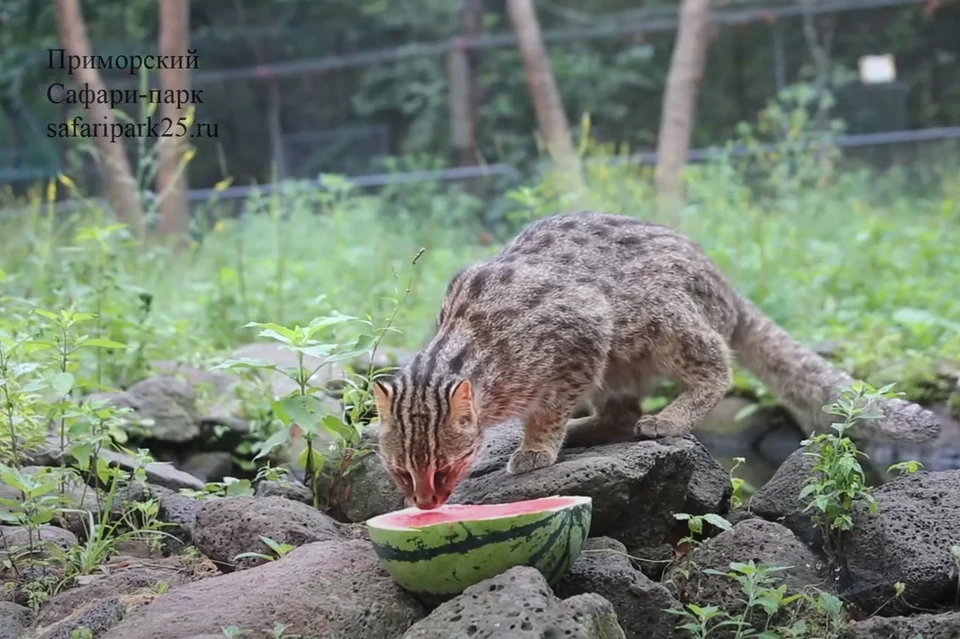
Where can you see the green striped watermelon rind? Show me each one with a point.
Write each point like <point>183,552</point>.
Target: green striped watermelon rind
<point>438,561</point>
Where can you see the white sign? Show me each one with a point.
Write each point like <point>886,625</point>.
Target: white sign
<point>877,69</point>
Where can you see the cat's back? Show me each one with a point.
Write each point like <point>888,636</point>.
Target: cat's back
<point>608,241</point>
<point>583,263</point>
<point>627,261</point>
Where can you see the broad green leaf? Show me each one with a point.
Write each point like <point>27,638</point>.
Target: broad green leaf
<point>746,411</point>
<point>695,524</point>
<point>244,362</point>
<point>305,410</point>
<point>335,426</point>
<point>770,606</point>
<point>319,351</point>
<point>274,335</point>
<point>718,521</point>
<point>321,323</point>
<point>277,439</point>
<point>319,461</point>
<point>280,333</point>
<point>98,342</point>
<point>14,479</point>
<point>830,603</point>
<point>47,314</point>
<point>62,383</point>
<point>364,344</point>
<point>240,488</point>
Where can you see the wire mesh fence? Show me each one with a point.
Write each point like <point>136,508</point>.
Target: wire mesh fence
<point>289,103</point>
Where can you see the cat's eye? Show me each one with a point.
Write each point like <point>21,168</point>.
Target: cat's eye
<point>405,477</point>
<point>440,477</point>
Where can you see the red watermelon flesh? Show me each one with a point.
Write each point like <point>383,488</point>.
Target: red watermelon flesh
<point>452,513</point>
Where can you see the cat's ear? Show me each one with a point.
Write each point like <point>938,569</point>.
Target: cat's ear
<point>383,396</point>
<point>461,403</point>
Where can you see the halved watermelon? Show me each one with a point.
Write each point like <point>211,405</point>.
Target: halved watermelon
<point>435,554</point>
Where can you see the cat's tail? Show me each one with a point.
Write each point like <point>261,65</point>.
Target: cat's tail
<point>805,382</point>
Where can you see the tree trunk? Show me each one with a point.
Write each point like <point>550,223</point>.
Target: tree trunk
<point>680,98</point>
<point>114,165</point>
<point>464,92</point>
<point>171,177</point>
<point>274,98</point>
<point>543,90</point>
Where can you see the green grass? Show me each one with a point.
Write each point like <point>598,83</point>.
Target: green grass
<point>848,257</point>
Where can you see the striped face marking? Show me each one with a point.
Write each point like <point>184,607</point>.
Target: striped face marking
<point>428,435</point>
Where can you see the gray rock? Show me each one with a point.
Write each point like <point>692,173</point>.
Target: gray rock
<point>288,489</point>
<point>640,603</point>
<point>761,541</point>
<point>653,561</point>
<point>636,486</point>
<point>519,603</point>
<point>169,402</point>
<point>98,617</point>
<point>172,405</point>
<point>82,495</point>
<point>124,576</point>
<point>14,620</point>
<point>18,538</point>
<point>207,382</point>
<point>178,511</point>
<point>710,489</point>
<point>942,626</point>
<point>217,399</point>
<point>230,526</point>
<point>908,541</point>
<point>208,466</point>
<point>28,578</point>
<point>161,474</point>
<point>779,499</point>
<point>324,589</point>
<point>742,514</point>
<point>650,480</point>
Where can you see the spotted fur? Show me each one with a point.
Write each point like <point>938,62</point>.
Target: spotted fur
<point>590,307</point>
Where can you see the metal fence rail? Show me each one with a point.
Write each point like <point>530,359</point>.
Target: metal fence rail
<point>633,25</point>
<point>361,181</point>
<point>852,141</point>
<point>512,173</point>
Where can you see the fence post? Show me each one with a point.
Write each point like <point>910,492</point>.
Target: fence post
<point>462,133</point>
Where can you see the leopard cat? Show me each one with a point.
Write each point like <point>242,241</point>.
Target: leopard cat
<point>592,307</point>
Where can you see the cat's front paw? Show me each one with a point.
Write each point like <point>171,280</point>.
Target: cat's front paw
<point>524,461</point>
<point>656,427</point>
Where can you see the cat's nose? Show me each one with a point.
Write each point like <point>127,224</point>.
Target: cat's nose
<point>425,494</point>
<point>426,502</point>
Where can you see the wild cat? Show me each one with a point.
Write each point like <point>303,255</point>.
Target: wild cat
<point>591,306</point>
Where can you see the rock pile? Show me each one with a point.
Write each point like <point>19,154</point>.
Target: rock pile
<point>630,581</point>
